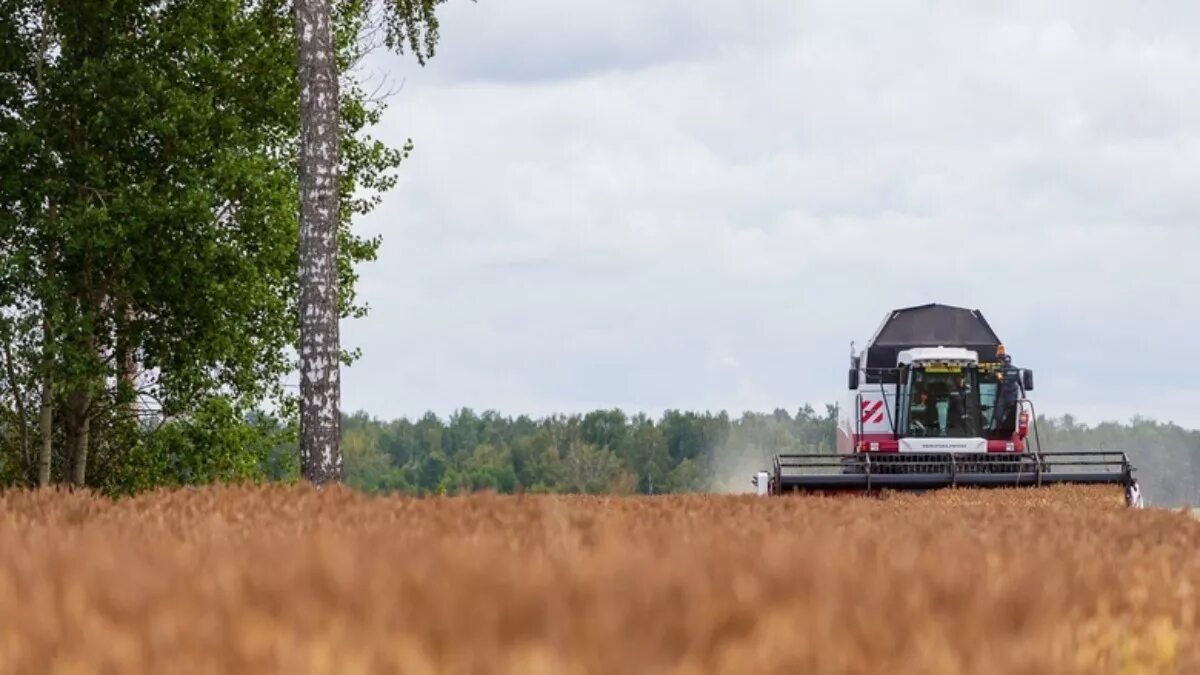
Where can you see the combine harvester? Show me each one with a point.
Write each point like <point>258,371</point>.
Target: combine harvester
<point>934,402</point>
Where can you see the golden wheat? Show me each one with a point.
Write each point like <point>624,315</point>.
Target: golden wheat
<point>292,580</point>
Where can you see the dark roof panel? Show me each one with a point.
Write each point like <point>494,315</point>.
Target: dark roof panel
<point>930,325</point>
<point>935,325</point>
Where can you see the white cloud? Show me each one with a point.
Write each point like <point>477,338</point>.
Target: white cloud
<point>611,203</point>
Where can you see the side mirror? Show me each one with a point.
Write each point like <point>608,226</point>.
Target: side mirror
<point>853,379</point>
<point>1027,379</point>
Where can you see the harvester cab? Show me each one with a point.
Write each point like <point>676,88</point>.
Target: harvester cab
<point>939,399</point>
<point>935,401</point>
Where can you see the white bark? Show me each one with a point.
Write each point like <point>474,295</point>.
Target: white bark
<point>46,416</point>
<point>80,418</point>
<point>320,385</point>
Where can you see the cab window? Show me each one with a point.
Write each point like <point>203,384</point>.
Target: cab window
<point>943,403</point>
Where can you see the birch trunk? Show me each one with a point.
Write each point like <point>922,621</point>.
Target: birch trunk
<point>80,418</point>
<point>19,400</point>
<point>46,414</point>
<point>320,386</point>
<point>127,367</point>
<point>46,427</point>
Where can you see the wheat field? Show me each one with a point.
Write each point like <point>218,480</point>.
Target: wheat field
<point>291,580</point>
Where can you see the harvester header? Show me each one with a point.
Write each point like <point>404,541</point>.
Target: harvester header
<point>934,400</point>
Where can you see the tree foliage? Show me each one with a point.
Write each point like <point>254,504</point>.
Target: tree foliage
<point>609,451</point>
<point>412,26</point>
<point>1166,455</point>
<point>148,228</point>
<point>604,451</point>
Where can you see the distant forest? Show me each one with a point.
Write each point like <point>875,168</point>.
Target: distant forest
<point>610,451</point>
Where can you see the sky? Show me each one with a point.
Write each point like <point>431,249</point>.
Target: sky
<point>698,205</point>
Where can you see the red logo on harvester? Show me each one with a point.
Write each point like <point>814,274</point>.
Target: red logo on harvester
<point>872,412</point>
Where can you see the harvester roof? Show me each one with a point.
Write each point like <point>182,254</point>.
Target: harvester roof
<point>931,325</point>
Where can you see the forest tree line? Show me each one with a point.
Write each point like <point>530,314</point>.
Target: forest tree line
<point>609,451</point>
<point>605,451</point>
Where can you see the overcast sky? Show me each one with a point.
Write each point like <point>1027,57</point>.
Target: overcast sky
<point>698,204</point>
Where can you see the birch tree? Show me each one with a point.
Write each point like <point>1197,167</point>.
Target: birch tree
<point>148,232</point>
<point>320,347</point>
<point>410,25</point>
